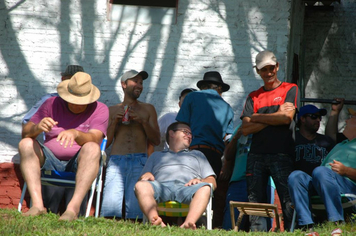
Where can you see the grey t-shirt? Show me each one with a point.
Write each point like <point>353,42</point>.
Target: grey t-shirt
<point>184,166</point>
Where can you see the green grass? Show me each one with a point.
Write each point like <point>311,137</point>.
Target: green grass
<point>13,223</point>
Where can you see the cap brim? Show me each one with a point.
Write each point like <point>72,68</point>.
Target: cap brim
<point>322,112</point>
<point>225,87</point>
<point>143,74</point>
<point>266,63</point>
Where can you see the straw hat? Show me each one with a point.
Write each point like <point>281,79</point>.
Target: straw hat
<point>78,90</point>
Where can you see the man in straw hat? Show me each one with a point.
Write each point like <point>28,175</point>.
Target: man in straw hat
<point>335,176</point>
<point>75,124</point>
<point>129,135</point>
<point>211,120</point>
<point>53,195</point>
<point>269,115</point>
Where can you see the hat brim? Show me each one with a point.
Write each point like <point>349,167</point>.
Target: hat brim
<point>225,87</point>
<point>63,92</point>
<point>266,63</point>
<point>143,74</point>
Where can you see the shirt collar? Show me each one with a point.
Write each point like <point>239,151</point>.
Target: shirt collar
<point>169,150</point>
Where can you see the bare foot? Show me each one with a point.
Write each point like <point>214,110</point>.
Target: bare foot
<point>156,220</point>
<point>189,225</point>
<point>68,216</point>
<point>35,211</point>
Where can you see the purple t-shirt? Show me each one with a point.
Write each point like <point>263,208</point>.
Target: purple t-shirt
<point>95,116</point>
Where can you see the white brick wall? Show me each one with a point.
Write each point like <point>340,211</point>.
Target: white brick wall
<point>39,38</point>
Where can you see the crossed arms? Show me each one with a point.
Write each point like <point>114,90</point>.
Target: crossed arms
<point>259,121</point>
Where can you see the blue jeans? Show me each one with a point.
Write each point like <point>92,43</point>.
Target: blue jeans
<point>258,170</point>
<point>323,182</point>
<point>238,192</point>
<point>53,163</point>
<point>175,191</point>
<point>122,173</point>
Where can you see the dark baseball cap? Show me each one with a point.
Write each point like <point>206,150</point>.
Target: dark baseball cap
<point>311,109</point>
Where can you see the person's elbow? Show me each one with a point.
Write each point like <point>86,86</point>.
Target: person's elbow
<point>156,140</point>
<point>287,119</point>
<point>214,184</point>
<point>245,131</point>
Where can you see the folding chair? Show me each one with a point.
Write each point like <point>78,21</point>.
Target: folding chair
<point>176,209</point>
<point>67,179</point>
<point>256,209</point>
<point>348,201</point>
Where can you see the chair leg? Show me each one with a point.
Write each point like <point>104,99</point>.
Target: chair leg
<point>90,201</point>
<point>232,216</point>
<point>293,221</point>
<point>144,219</point>
<point>98,195</point>
<point>19,208</point>
<point>238,222</point>
<point>209,215</point>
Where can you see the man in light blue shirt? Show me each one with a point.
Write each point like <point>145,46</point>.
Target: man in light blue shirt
<point>210,118</point>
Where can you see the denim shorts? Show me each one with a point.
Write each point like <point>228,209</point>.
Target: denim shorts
<point>174,191</point>
<point>122,173</point>
<point>53,163</point>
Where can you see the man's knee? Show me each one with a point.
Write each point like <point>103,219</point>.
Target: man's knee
<point>26,143</point>
<point>320,172</point>
<point>294,177</point>
<point>205,190</point>
<point>143,188</point>
<point>90,150</point>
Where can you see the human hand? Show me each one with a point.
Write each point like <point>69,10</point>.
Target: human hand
<point>46,124</point>
<point>287,106</point>
<point>226,172</point>
<point>193,182</point>
<point>148,176</point>
<point>338,167</point>
<point>119,113</point>
<point>141,117</point>
<point>338,105</point>
<point>67,137</point>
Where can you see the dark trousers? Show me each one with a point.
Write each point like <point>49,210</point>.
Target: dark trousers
<point>259,168</point>
<point>214,159</point>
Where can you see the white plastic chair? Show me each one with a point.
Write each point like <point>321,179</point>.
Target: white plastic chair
<point>67,179</point>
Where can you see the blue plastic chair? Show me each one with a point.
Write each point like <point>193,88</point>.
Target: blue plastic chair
<point>67,180</point>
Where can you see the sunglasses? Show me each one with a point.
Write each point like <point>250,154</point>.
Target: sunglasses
<point>314,116</point>
<point>185,131</point>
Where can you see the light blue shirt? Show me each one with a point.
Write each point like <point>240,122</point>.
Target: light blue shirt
<point>209,116</point>
<point>344,152</point>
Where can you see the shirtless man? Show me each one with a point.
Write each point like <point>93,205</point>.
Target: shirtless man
<point>129,150</point>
